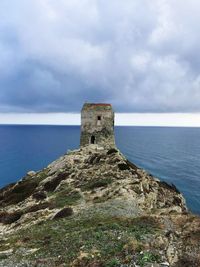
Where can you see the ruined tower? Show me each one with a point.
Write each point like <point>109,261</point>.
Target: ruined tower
<point>97,124</point>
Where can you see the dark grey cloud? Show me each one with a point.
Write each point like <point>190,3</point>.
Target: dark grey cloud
<point>140,55</point>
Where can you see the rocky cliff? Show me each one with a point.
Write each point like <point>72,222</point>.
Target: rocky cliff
<point>92,207</point>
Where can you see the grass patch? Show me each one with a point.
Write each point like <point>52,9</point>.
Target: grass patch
<point>67,237</point>
<point>66,198</point>
<point>147,257</point>
<point>113,263</point>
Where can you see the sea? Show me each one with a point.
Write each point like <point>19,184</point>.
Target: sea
<point>169,153</point>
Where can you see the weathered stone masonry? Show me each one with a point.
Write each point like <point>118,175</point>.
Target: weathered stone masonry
<point>97,124</point>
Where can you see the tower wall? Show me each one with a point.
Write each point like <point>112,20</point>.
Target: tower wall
<point>97,124</point>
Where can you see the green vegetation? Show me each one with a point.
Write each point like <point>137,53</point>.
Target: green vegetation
<point>112,151</point>
<point>66,197</point>
<point>65,212</point>
<point>41,175</point>
<point>100,199</point>
<point>102,239</point>
<point>8,218</point>
<point>3,257</point>
<point>113,263</point>
<point>51,185</point>
<point>147,257</point>
<point>123,166</point>
<point>90,185</point>
<point>23,189</point>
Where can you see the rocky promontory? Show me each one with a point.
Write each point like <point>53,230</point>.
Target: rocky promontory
<point>93,207</point>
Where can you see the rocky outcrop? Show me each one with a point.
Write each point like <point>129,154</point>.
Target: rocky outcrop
<point>97,187</point>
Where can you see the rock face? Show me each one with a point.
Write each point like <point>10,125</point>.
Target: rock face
<point>96,188</point>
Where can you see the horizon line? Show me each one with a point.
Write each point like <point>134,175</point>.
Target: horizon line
<point>121,119</point>
<point>73,125</point>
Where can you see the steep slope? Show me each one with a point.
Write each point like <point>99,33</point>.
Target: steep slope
<point>92,207</point>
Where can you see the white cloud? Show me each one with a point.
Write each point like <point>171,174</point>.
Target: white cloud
<point>140,55</point>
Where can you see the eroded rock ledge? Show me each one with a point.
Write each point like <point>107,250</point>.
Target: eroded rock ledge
<point>87,189</point>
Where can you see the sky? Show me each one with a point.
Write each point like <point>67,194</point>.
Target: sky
<point>141,56</point>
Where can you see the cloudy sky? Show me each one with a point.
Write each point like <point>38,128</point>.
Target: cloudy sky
<point>142,56</point>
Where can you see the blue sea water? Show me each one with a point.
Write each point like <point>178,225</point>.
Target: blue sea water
<point>172,154</point>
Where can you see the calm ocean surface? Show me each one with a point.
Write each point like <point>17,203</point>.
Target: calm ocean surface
<point>172,154</point>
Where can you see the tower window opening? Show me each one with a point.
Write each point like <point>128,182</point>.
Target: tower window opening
<point>99,118</point>
<point>92,140</point>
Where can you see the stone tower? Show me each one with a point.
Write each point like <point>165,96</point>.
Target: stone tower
<point>97,124</point>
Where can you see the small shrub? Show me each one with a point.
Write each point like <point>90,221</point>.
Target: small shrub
<point>66,212</point>
<point>92,158</point>
<point>14,198</point>
<point>40,195</point>
<point>25,185</point>
<point>8,218</point>
<point>112,151</point>
<point>3,257</point>
<point>42,175</point>
<point>6,188</point>
<point>131,165</point>
<point>147,257</point>
<point>133,246</point>
<point>177,201</point>
<point>50,186</point>
<point>97,183</point>
<point>113,263</point>
<point>3,215</point>
<point>100,199</point>
<point>123,166</point>
<point>187,261</point>
<point>170,187</point>
<point>20,191</point>
<point>40,206</point>
<point>13,194</point>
